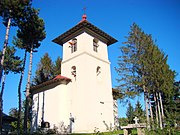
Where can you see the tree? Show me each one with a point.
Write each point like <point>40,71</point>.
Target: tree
<point>172,106</point>
<point>123,121</point>
<point>143,68</point>
<point>44,71</point>
<point>12,63</point>
<point>12,12</point>
<point>14,112</point>
<point>57,67</point>
<point>132,77</point>
<point>31,32</point>
<point>19,43</point>
<point>139,113</point>
<point>130,113</point>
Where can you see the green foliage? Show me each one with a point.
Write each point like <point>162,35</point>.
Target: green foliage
<point>117,94</point>
<point>14,113</point>
<point>101,133</point>
<point>46,65</point>
<point>123,121</point>
<point>139,113</point>
<point>168,130</point>
<point>12,63</point>
<point>31,30</point>
<point>19,44</point>
<point>172,106</point>
<point>142,67</point>
<point>46,69</point>
<point>41,131</point>
<point>16,10</point>
<point>130,113</point>
<point>143,64</point>
<point>57,67</point>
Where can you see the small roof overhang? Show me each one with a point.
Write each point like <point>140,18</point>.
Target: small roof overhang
<point>49,84</point>
<point>84,26</point>
<point>7,118</point>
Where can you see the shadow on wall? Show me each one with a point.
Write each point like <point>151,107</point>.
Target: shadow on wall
<point>34,125</point>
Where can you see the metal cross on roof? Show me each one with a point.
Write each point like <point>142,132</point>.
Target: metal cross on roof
<point>84,9</point>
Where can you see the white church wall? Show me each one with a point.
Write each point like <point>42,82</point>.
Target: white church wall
<point>56,108</point>
<point>88,97</point>
<point>36,111</point>
<point>91,94</point>
<point>85,44</point>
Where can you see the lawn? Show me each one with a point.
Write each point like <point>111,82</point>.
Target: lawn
<point>119,132</point>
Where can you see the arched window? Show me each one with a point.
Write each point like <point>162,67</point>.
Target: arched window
<point>73,45</point>
<point>98,70</point>
<point>73,71</point>
<point>95,45</point>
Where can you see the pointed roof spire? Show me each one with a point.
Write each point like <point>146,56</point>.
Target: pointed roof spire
<point>84,17</point>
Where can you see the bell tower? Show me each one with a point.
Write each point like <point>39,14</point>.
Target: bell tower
<point>85,62</point>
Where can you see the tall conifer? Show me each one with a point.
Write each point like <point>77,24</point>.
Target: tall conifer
<point>31,32</point>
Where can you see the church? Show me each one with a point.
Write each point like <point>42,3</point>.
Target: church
<point>80,100</point>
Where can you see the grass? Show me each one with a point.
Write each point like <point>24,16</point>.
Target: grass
<point>134,132</point>
<point>101,133</point>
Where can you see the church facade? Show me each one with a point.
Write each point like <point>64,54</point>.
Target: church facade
<point>80,100</point>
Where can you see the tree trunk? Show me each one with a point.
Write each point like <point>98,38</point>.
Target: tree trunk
<point>4,47</point>
<point>27,92</point>
<point>151,112</point>
<point>1,102</point>
<point>19,93</point>
<point>162,109</point>
<point>146,105</point>
<point>155,103</point>
<point>159,111</point>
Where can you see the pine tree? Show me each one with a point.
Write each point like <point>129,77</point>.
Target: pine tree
<point>143,68</point>
<point>57,67</point>
<point>132,66</point>
<point>12,12</point>
<point>12,63</point>
<point>19,43</point>
<point>44,71</point>
<point>31,32</point>
<point>130,113</point>
<point>139,113</point>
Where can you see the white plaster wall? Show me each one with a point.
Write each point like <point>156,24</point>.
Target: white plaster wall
<point>56,106</point>
<point>85,44</point>
<point>92,101</point>
<point>88,97</point>
<point>36,112</point>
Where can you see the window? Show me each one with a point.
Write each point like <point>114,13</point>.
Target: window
<point>73,72</point>
<point>73,44</point>
<point>95,45</point>
<point>98,70</point>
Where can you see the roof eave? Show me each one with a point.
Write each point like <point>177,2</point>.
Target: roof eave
<point>35,88</point>
<point>83,26</point>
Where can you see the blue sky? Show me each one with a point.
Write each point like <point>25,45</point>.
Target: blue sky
<point>161,18</point>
